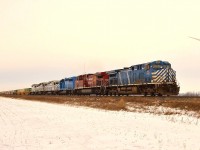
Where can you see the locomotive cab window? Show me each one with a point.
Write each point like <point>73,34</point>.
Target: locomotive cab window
<point>166,66</point>
<point>139,67</point>
<point>157,66</point>
<point>112,75</point>
<point>99,76</point>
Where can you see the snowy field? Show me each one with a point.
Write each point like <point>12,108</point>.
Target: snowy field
<point>27,125</point>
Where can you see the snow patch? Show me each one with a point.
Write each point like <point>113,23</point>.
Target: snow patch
<point>35,125</point>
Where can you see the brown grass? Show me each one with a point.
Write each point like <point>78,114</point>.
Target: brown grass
<point>121,103</point>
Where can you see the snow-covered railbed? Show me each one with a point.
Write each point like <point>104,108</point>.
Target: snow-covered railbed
<point>37,125</point>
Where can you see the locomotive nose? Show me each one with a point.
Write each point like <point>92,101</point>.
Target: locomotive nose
<point>164,75</point>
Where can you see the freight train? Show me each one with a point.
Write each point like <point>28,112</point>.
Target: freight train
<point>154,78</point>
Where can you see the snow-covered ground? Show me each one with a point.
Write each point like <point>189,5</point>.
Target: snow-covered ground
<point>36,125</point>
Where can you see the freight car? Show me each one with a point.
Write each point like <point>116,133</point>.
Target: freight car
<point>25,91</point>
<point>152,78</point>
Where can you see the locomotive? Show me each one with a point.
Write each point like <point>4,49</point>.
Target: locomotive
<point>154,78</point>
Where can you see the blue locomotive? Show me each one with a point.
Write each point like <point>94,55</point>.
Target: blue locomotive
<point>153,78</point>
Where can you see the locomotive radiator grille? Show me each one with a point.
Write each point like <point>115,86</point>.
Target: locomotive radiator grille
<point>164,75</point>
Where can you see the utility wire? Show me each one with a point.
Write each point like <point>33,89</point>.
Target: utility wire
<point>194,38</point>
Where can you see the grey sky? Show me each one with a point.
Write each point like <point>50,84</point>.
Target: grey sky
<point>43,40</point>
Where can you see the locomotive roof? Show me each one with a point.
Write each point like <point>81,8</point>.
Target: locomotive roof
<point>113,71</point>
<point>54,81</point>
<point>153,62</point>
<point>68,78</point>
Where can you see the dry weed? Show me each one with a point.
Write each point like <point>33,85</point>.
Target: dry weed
<point>121,103</point>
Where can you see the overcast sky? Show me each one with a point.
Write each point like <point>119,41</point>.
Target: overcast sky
<point>43,40</point>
